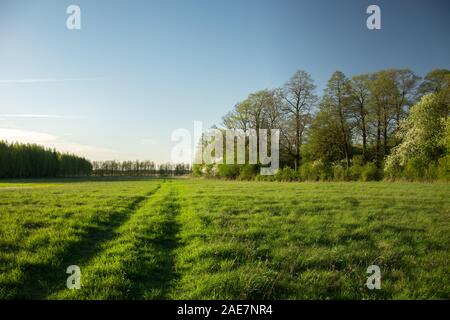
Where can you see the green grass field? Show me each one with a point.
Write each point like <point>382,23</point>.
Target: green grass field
<point>198,239</point>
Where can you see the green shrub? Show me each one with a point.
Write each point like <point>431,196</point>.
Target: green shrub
<point>392,169</point>
<point>265,178</point>
<point>443,169</point>
<point>315,171</point>
<point>209,170</point>
<point>431,171</point>
<point>307,172</point>
<point>355,172</point>
<point>228,171</point>
<point>286,174</point>
<point>370,172</point>
<point>358,160</point>
<point>247,172</point>
<point>339,172</point>
<point>324,171</point>
<point>414,169</point>
<point>197,170</point>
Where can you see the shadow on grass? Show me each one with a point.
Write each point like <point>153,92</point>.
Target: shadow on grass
<point>155,280</point>
<point>42,279</point>
<point>90,179</point>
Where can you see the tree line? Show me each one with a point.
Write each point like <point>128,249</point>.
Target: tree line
<point>389,123</point>
<point>138,168</point>
<point>33,161</point>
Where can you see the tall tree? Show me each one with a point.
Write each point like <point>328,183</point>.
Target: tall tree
<point>324,138</point>
<point>239,117</point>
<point>337,100</point>
<point>299,97</point>
<point>405,85</point>
<point>422,135</point>
<point>260,102</point>
<point>383,90</point>
<point>360,94</point>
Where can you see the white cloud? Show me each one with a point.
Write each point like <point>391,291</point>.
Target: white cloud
<point>25,136</point>
<point>52,141</point>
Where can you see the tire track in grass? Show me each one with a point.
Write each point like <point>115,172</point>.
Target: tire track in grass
<point>42,279</point>
<point>161,277</point>
<point>139,262</point>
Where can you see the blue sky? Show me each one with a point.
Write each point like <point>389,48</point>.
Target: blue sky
<point>137,70</point>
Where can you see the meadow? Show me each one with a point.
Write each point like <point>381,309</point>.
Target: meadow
<point>210,239</point>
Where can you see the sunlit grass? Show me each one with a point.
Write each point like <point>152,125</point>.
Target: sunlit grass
<point>200,239</point>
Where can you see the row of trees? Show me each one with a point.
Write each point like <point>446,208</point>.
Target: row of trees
<point>358,125</point>
<point>138,168</point>
<point>33,161</point>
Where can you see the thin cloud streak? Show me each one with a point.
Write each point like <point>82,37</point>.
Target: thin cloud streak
<point>37,116</point>
<point>46,80</point>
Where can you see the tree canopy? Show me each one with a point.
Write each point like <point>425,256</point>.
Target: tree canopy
<point>34,161</point>
<point>359,125</point>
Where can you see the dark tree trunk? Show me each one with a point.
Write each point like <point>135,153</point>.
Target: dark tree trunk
<point>364,135</point>
<point>297,142</point>
<point>378,144</point>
